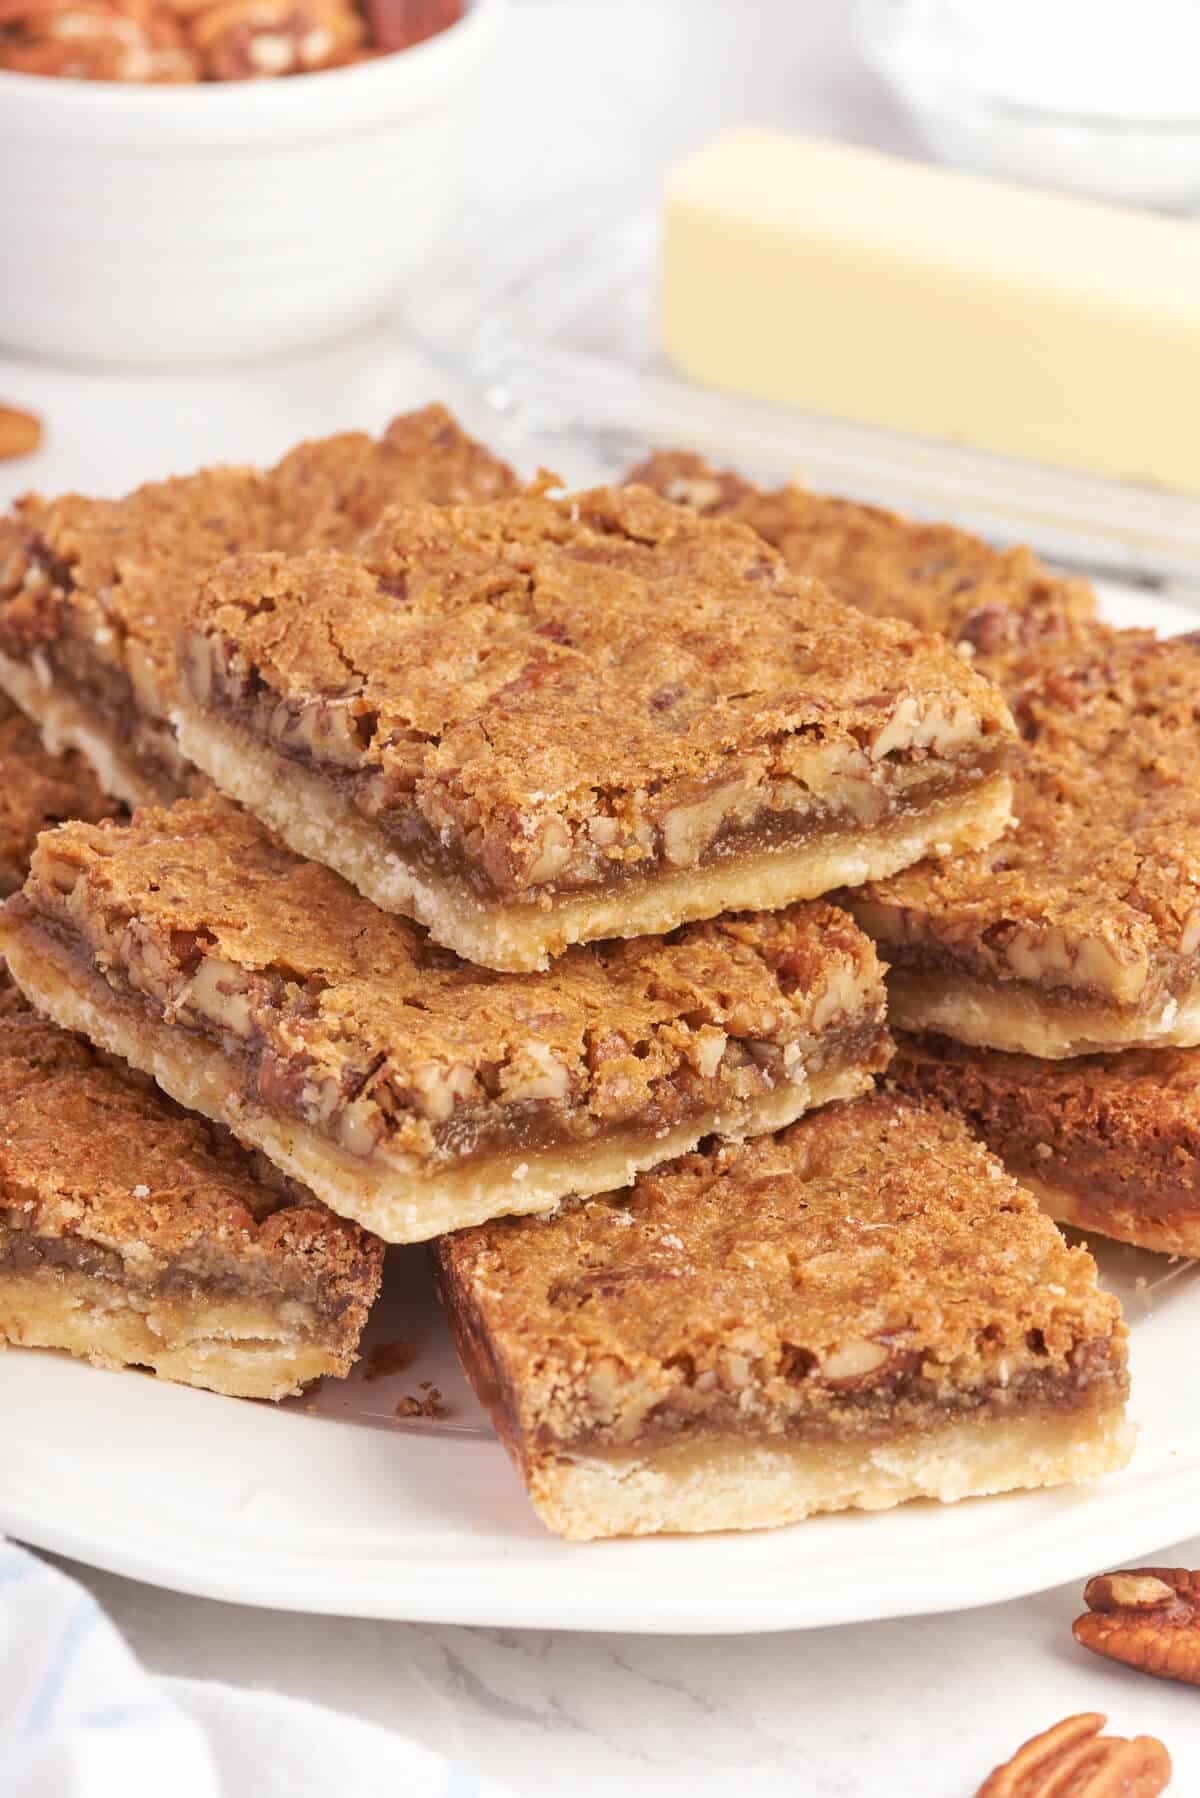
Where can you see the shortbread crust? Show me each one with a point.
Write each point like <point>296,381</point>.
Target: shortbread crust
<point>538,713</point>
<point>862,1309</point>
<point>92,591</point>
<point>1080,929</point>
<point>320,821</point>
<point>135,1235</point>
<point>411,1090</point>
<point>37,790</point>
<point>736,1483</point>
<point>1110,1143</point>
<point>933,575</point>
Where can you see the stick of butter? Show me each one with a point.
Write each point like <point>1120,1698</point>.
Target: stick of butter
<point>943,303</point>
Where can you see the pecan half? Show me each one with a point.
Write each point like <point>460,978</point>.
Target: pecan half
<point>20,433</point>
<point>1148,1617</point>
<point>1074,1758</point>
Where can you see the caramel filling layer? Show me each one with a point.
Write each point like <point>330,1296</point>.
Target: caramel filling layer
<point>747,1072</point>
<point>22,1251</point>
<point>883,1391</point>
<point>737,814</point>
<point>1095,978</point>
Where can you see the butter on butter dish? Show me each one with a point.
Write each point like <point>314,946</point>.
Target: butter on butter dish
<point>931,300</point>
<point>552,322</point>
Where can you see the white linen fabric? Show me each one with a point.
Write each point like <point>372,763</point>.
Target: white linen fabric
<point>81,1718</point>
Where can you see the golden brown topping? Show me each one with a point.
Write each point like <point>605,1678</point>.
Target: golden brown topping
<point>559,688</point>
<point>90,1150</point>
<point>101,585</point>
<point>1149,1618</point>
<point>353,1018</point>
<point>873,1250</point>
<point>1098,885</point>
<point>891,567</point>
<point>1073,1760</point>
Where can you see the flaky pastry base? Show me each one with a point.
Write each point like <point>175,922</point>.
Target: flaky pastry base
<point>318,821</point>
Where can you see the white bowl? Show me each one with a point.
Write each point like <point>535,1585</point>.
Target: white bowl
<point>169,225</point>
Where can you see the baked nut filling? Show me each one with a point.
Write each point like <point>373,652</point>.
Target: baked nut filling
<point>136,1235</point>
<point>37,790</point>
<point>410,1089</point>
<point>862,1309</point>
<point>1110,1143</point>
<point>1080,929</point>
<point>548,720</point>
<point>889,567</point>
<point>92,592</point>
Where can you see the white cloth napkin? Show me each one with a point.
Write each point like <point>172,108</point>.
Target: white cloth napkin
<point>81,1718</point>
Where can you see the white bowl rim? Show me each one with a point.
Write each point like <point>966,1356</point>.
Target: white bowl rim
<point>179,115</point>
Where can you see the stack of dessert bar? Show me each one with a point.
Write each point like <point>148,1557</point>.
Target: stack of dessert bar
<point>133,1232</point>
<point>1047,987</point>
<point>479,894</point>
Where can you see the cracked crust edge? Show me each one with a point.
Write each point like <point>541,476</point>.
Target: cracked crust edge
<point>318,822</point>
<point>396,1205</point>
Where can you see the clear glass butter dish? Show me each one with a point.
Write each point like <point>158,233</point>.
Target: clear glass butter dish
<point>547,324</point>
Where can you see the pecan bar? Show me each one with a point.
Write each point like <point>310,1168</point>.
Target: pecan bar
<point>933,575</point>
<point>551,720</point>
<point>1110,1143</point>
<point>134,1235</point>
<point>92,591</point>
<point>1080,930</point>
<point>861,1310</point>
<point>409,1089</point>
<point>37,789</point>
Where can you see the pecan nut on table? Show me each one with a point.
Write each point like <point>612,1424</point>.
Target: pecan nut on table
<point>1074,1760</point>
<point>1148,1617</point>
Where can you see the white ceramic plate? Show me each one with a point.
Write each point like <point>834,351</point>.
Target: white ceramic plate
<point>331,1504</point>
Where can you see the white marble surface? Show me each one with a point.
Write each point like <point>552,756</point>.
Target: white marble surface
<point>910,1709</point>
<point>589,91</point>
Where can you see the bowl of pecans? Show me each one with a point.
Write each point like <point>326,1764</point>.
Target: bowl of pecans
<point>197,181</point>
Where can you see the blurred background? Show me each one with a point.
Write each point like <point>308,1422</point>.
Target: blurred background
<point>472,185</point>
